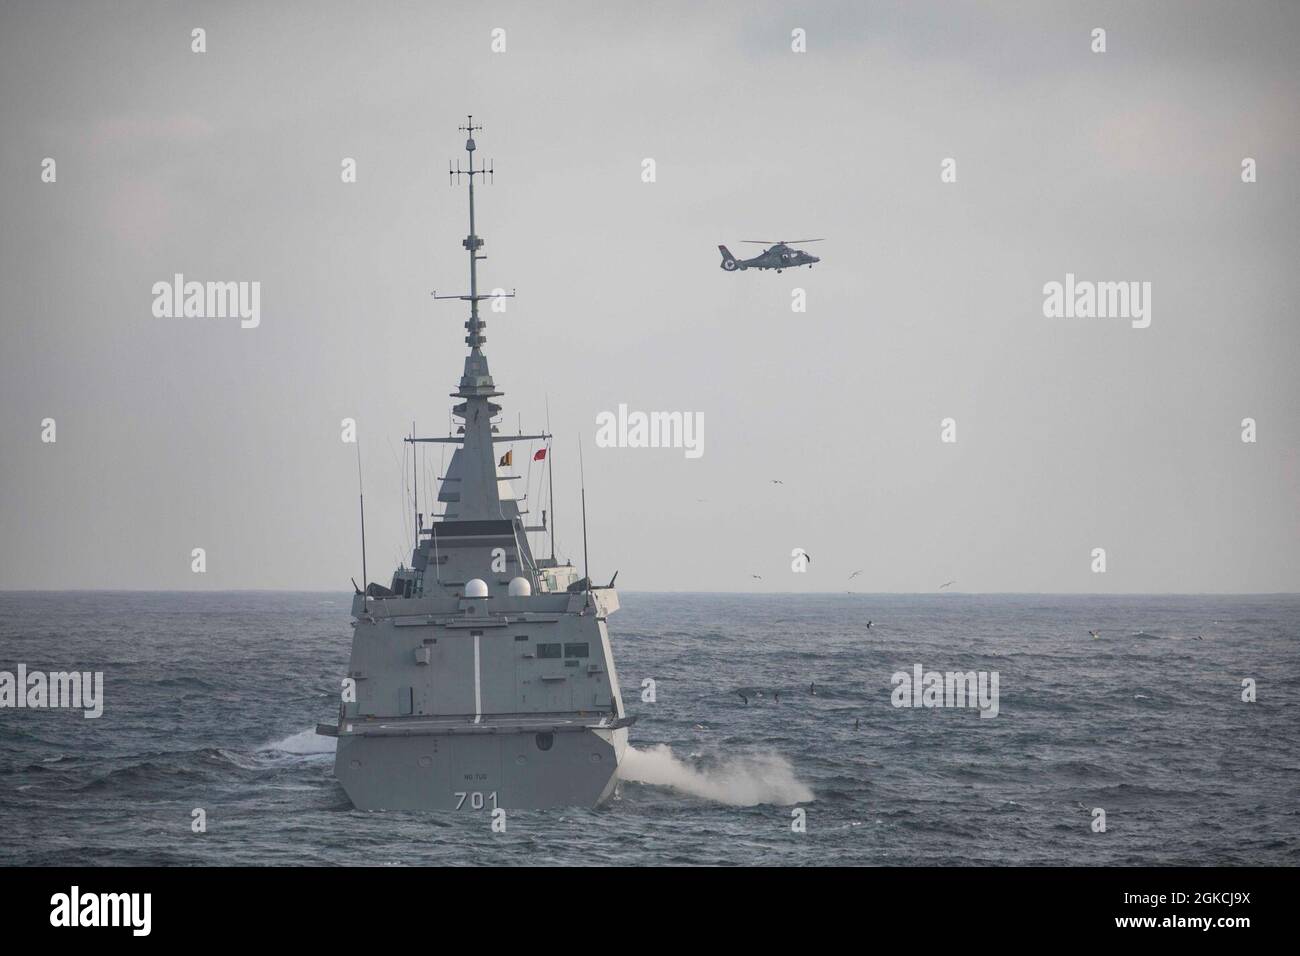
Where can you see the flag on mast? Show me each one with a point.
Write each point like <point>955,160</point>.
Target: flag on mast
<point>507,459</point>
<point>541,454</point>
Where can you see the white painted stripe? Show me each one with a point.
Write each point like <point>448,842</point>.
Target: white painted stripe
<point>478,686</point>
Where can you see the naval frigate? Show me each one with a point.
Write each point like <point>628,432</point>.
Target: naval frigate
<point>482,676</point>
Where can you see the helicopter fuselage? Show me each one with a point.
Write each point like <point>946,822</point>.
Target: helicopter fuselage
<point>778,257</point>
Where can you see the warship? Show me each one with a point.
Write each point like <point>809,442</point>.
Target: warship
<point>482,675</point>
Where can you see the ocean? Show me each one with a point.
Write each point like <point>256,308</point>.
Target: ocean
<point>773,737</point>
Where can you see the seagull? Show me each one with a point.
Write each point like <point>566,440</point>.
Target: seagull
<point>777,695</point>
<point>812,688</point>
<point>945,584</point>
<point>757,577</point>
<point>806,556</point>
<point>857,723</point>
<point>854,575</point>
<point>868,623</point>
<point>776,481</point>
<point>1095,633</point>
<point>743,697</point>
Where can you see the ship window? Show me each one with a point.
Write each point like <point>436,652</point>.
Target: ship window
<point>409,584</point>
<point>548,650</point>
<point>544,741</point>
<point>521,637</point>
<point>575,650</point>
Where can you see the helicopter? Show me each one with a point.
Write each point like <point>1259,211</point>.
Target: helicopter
<point>778,256</point>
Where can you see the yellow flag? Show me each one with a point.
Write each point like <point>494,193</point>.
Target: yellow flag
<point>507,458</point>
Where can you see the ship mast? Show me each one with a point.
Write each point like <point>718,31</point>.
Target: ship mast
<point>477,494</point>
<point>475,490</point>
<point>476,375</point>
<point>472,242</point>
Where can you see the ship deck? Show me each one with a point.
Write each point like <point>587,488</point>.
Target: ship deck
<point>460,724</point>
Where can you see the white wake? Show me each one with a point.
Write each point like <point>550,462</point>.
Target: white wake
<point>739,781</point>
<point>305,743</point>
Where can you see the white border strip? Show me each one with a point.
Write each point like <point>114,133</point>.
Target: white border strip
<point>478,686</point>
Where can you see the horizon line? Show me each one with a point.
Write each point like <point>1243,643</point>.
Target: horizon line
<point>748,592</point>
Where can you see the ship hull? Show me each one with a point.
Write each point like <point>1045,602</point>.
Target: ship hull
<point>470,772</point>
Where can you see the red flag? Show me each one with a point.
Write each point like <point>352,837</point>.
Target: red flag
<point>541,453</point>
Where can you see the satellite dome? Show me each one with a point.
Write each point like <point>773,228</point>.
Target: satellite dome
<point>520,587</point>
<point>476,588</point>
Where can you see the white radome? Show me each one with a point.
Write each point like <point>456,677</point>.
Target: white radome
<point>476,588</point>
<point>520,587</point>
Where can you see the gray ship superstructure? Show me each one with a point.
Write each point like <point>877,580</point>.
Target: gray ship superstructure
<point>483,676</point>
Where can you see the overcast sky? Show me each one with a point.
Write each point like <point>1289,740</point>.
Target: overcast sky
<point>1072,434</point>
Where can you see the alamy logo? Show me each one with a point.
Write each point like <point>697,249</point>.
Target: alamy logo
<point>1098,300</point>
<point>651,430</point>
<point>38,690</point>
<point>208,300</point>
<point>103,909</point>
<point>923,688</point>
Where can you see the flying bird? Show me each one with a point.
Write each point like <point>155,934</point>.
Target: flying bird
<point>743,697</point>
<point>946,584</point>
<point>776,481</point>
<point>854,575</point>
<point>1095,633</point>
<point>757,577</point>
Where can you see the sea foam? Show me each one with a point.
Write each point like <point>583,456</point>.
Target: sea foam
<point>738,781</point>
